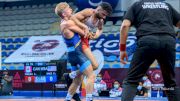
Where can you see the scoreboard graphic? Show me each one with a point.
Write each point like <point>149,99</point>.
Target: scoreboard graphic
<point>40,72</point>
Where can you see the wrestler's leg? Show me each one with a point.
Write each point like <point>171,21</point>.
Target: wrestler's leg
<point>87,51</point>
<point>69,80</point>
<point>88,72</point>
<point>73,87</point>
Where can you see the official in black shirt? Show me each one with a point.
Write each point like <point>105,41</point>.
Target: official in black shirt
<point>154,21</point>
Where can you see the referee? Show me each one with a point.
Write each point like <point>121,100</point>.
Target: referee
<point>154,21</point>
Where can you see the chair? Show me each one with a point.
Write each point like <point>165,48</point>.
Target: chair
<point>38,32</point>
<point>109,23</point>
<point>2,40</point>
<point>17,46</point>
<point>118,23</point>
<point>4,67</point>
<point>41,6</point>
<point>21,7</point>
<point>69,67</point>
<point>177,64</point>
<point>126,65</point>
<point>9,40</point>
<point>116,65</point>
<point>177,56</point>
<point>45,32</point>
<point>132,29</point>
<point>178,49</point>
<point>118,59</point>
<point>14,8</point>
<point>4,54</point>
<point>115,29</point>
<point>11,67</point>
<point>3,60</point>
<point>21,67</point>
<point>48,5</point>
<point>24,40</point>
<point>7,8</point>
<point>10,47</point>
<point>106,66</point>
<point>34,6</point>
<point>3,47</point>
<point>111,58</point>
<point>17,40</point>
<point>107,29</point>
<point>27,7</point>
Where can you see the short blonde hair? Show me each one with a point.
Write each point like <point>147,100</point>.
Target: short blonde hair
<point>60,8</point>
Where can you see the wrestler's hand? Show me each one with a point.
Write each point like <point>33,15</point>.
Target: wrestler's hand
<point>123,57</point>
<point>87,35</point>
<point>100,24</point>
<point>86,31</point>
<point>91,35</point>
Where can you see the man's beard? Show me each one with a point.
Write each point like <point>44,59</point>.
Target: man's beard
<point>97,16</point>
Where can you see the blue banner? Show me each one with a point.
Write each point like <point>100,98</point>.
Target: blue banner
<point>109,45</point>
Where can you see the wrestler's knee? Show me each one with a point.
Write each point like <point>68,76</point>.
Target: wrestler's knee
<point>77,81</point>
<point>91,77</point>
<point>95,66</point>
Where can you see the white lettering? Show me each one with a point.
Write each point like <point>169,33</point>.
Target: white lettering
<point>99,44</point>
<point>152,5</point>
<point>111,46</point>
<point>111,43</point>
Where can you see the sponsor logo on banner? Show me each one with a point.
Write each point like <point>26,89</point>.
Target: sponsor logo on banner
<point>111,46</point>
<point>39,49</point>
<point>45,45</point>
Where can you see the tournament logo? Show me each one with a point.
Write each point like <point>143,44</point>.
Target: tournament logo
<point>156,76</point>
<point>45,45</point>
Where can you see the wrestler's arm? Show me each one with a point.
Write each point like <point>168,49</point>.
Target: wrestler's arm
<point>78,17</point>
<point>99,31</point>
<point>69,25</point>
<point>77,30</point>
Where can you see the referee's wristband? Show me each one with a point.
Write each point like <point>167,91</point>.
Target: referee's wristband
<point>122,47</point>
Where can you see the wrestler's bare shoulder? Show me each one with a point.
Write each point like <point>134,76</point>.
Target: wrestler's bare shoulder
<point>87,11</point>
<point>67,23</point>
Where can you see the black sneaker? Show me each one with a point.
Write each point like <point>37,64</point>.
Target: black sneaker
<point>67,79</point>
<point>76,97</point>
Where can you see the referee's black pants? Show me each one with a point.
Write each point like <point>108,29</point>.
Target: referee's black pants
<point>149,48</point>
